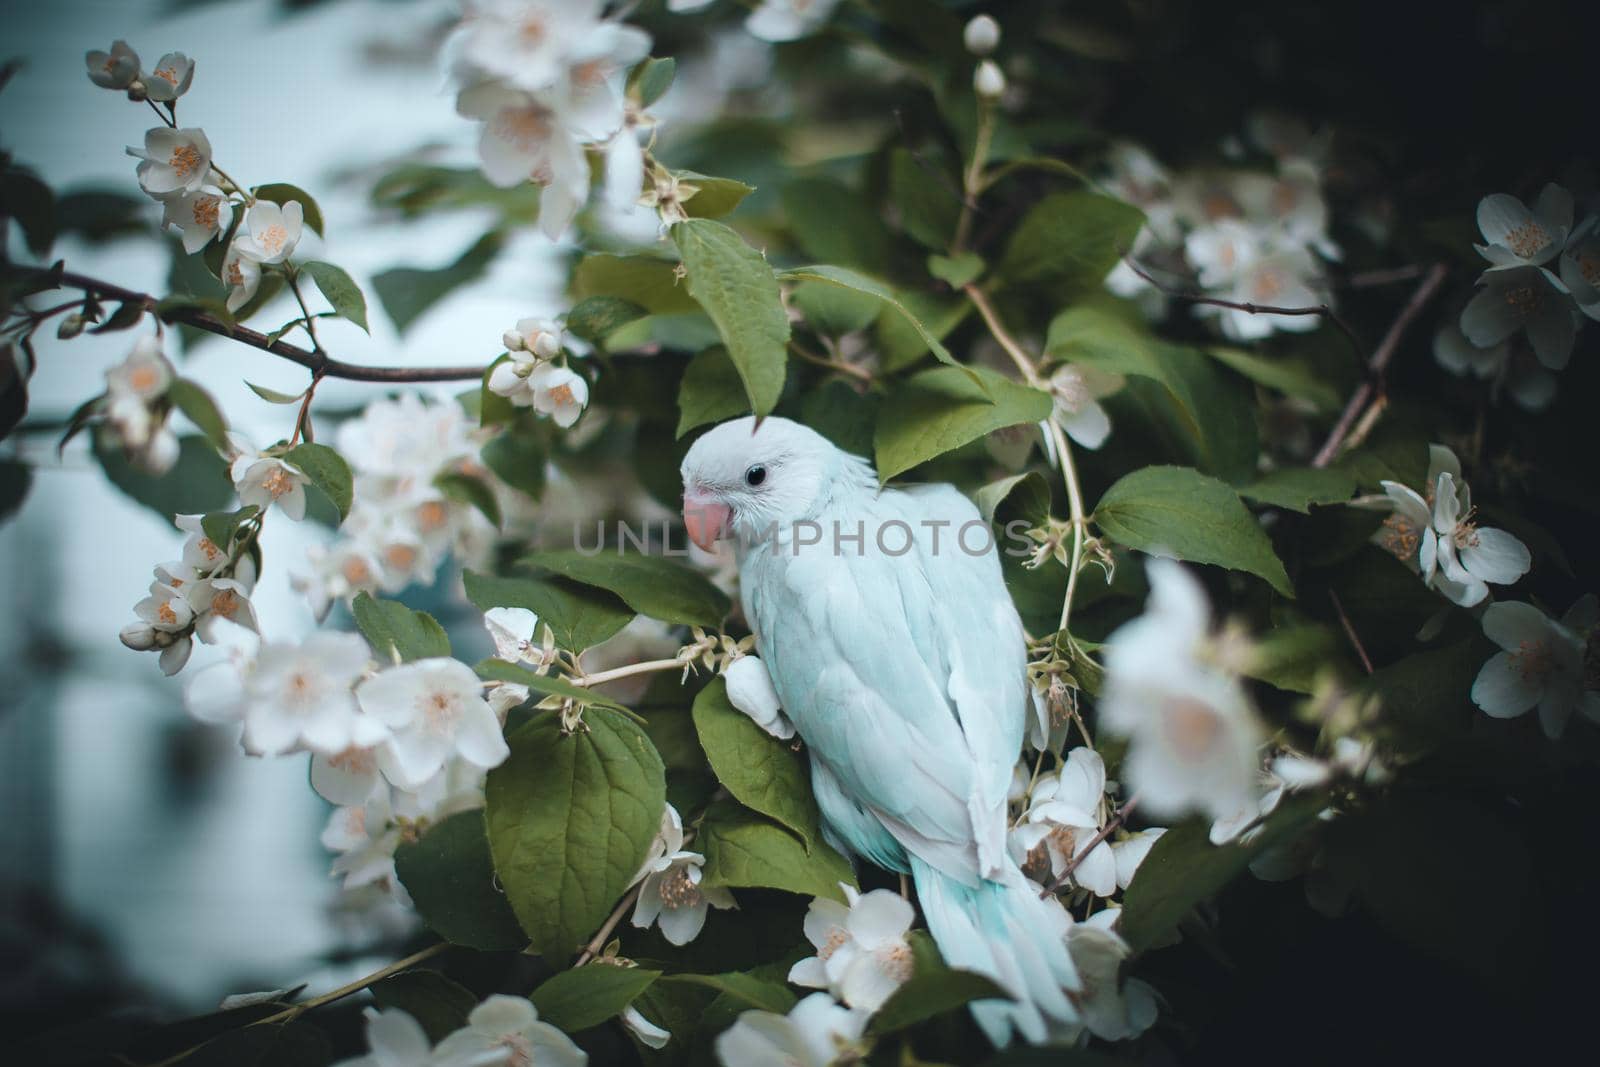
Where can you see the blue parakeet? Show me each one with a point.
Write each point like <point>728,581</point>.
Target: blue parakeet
<point>898,655</point>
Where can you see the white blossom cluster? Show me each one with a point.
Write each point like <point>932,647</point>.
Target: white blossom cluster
<point>1436,533</point>
<point>401,524</point>
<point>175,169</point>
<point>535,375</point>
<point>502,1030</point>
<point>774,20</point>
<point>136,408</point>
<point>1247,236</point>
<point>546,80</point>
<point>208,587</point>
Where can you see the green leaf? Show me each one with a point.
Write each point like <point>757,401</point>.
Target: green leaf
<point>587,996</point>
<point>956,271</point>
<point>1025,496</point>
<point>714,197</point>
<point>835,311</point>
<point>1185,868</point>
<point>415,189</point>
<point>747,850</point>
<point>284,1044</point>
<point>465,489</point>
<point>579,616</point>
<point>1290,377</point>
<point>850,280</point>
<point>283,192</point>
<point>650,585</point>
<point>517,456</point>
<point>1426,697</point>
<point>650,79</point>
<point>30,202</point>
<point>899,337</point>
<point>595,318</point>
<point>925,995</point>
<point>272,396</point>
<point>834,223</point>
<point>710,391</point>
<point>440,1005</point>
<point>736,287</point>
<point>406,292</point>
<point>570,819</point>
<point>751,992</point>
<point>221,526</point>
<point>1179,512</point>
<point>196,484</point>
<point>1294,657</point>
<point>98,215</point>
<point>328,472</point>
<point>942,409</point>
<point>340,290</point>
<point>15,481</point>
<point>201,410</point>
<point>1071,241</point>
<point>1298,488</point>
<point>762,772</point>
<point>650,282</point>
<point>928,201</point>
<point>128,314</point>
<point>394,629</point>
<point>494,409</point>
<point>450,878</point>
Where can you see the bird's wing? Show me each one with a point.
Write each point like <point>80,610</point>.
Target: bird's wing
<point>889,686</point>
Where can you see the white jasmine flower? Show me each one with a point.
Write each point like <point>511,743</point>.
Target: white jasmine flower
<point>817,1032</point>
<point>558,392</point>
<point>365,837</point>
<point>595,105</point>
<point>1062,818</point>
<point>525,139</point>
<point>215,693</point>
<point>214,599</point>
<point>139,636</point>
<point>981,35</point>
<point>405,442</point>
<point>671,892</point>
<point>1076,390</point>
<point>299,695</point>
<point>528,43</point>
<point>1543,664</point>
<point>345,778</point>
<point>750,690</point>
<point>174,161</point>
<point>1193,734</point>
<point>271,231</point>
<point>166,610</point>
<point>1470,556</point>
<point>1529,383</point>
<point>862,952</point>
<point>540,337</point>
<point>1242,823</point>
<point>434,708</point>
<point>1523,298</point>
<point>338,572</point>
<point>145,375</point>
<point>648,1033</point>
<point>512,631</point>
<point>506,1030</point>
<point>1518,237</point>
<point>1131,851</point>
<point>989,81</point>
<point>1277,280</point>
<point>241,274</point>
<point>200,553</point>
<point>116,69</point>
<point>170,79</point>
<point>788,20</point>
<point>264,480</point>
<point>1580,266</point>
<point>199,216</point>
<point>1111,1009</point>
<point>395,1040</point>
<point>1407,532</point>
<point>510,380</point>
<point>1222,251</point>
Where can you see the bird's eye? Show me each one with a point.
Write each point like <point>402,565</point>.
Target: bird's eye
<point>755,475</point>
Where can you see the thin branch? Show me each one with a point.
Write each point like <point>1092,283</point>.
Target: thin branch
<point>297,1010</point>
<point>1350,631</point>
<point>1324,310</point>
<point>596,943</point>
<point>858,373</point>
<point>317,363</point>
<point>1368,279</point>
<point>1116,820</point>
<point>1379,364</point>
<point>647,667</point>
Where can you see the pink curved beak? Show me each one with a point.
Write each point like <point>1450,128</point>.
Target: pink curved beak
<point>706,518</point>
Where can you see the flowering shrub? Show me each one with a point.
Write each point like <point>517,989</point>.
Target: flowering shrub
<point>1262,606</point>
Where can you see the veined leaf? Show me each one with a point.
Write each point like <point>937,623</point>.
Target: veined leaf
<point>942,409</point>
<point>650,585</point>
<point>736,287</point>
<point>761,772</point>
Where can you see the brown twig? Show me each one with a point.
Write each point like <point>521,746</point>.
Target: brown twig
<point>1116,820</point>
<point>1386,276</point>
<point>1324,310</point>
<point>316,362</point>
<point>294,1011</point>
<point>1379,364</point>
<point>1350,631</point>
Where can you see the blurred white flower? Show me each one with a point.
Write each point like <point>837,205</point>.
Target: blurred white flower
<point>1131,851</point>
<point>170,78</point>
<point>525,139</point>
<point>817,1032</point>
<point>788,20</point>
<point>145,374</point>
<point>395,1040</point>
<point>345,778</point>
<point>115,69</point>
<point>173,161</point>
<point>981,35</point>
<point>527,43</point>
<point>1112,1009</point>
<point>1076,390</point>
<point>1193,735</point>
<point>1276,280</point>
<point>1529,383</point>
<point>506,1030</point>
<point>1542,663</point>
<point>1063,817</point>
<point>989,81</point>
<point>434,709</point>
<point>862,953</point>
<point>1580,266</point>
<point>337,573</point>
<point>364,836</point>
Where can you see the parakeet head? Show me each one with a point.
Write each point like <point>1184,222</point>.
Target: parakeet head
<point>739,478</point>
